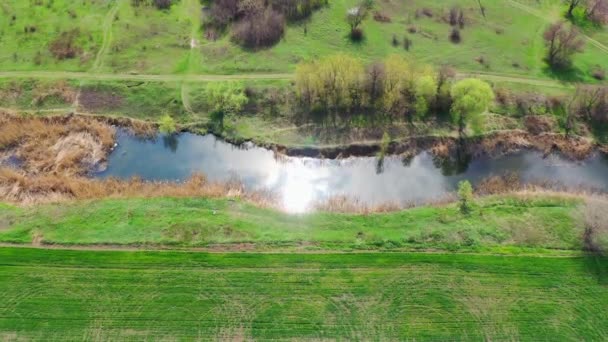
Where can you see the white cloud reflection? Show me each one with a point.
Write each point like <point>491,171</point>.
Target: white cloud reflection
<point>301,182</point>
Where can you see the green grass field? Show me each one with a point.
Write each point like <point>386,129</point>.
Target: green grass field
<point>545,225</point>
<point>117,37</point>
<point>508,38</point>
<point>49,19</point>
<point>107,295</point>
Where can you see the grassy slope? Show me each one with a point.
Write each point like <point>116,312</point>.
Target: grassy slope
<point>50,18</point>
<point>102,295</point>
<point>502,224</point>
<point>518,41</point>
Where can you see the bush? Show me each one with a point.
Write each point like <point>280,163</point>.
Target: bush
<point>537,124</point>
<point>260,31</point>
<point>222,12</point>
<point>162,4</point>
<point>167,125</point>
<point>595,236</point>
<point>598,73</point>
<point>381,17</point>
<point>64,47</point>
<point>455,36</point>
<point>296,9</point>
<point>407,43</point>
<point>465,197</point>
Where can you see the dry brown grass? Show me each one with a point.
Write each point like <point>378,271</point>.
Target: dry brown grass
<point>595,236</point>
<point>60,89</point>
<point>15,187</point>
<point>347,205</point>
<point>58,144</point>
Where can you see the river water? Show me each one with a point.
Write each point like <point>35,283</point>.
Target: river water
<point>300,182</point>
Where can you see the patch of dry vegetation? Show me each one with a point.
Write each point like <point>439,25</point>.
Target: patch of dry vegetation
<point>15,187</point>
<point>68,145</point>
<point>595,236</point>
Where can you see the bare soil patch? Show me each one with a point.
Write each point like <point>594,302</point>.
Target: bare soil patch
<point>92,100</point>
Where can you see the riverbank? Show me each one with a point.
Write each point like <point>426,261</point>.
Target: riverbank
<point>519,223</point>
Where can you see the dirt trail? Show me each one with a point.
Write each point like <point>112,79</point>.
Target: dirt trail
<point>107,35</point>
<point>141,77</point>
<point>498,77</point>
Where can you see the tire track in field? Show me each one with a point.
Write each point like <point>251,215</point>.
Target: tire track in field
<point>107,35</point>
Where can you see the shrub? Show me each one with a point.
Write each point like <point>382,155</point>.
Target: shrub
<point>598,73</point>
<point>162,4</point>
<point>296,9</point>
<point>595,235</point>
<point>537,124</point>
<point>222,12</point>
<point>381,17</point>
<point>465,197</point>
<point>455,36</point>
<point>64,47</point>
<point>395,41</point>
<point>456,17</point>
<point>261,30</point>
<point>407,43</point>
<point>167,125</point>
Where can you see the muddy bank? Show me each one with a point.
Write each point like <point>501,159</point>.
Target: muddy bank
<point>494,144</point>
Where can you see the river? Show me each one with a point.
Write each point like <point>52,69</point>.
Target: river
<point>301,182</point>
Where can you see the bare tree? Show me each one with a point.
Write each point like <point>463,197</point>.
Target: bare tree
<point>355,16</point>
<point>591,102</point>
<point>374,81</point>
<point>597,11</point>
<point>562,43</point>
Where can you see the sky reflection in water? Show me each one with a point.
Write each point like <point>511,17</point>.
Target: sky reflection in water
<point>299,182</point>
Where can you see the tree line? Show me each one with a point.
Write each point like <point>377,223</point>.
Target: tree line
<point>395,87</point>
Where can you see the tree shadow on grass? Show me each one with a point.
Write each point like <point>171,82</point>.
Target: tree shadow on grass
<point>571,74</point>
<point>597,265</point>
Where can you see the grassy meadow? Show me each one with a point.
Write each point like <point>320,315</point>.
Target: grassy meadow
<point>507,224</point>
<point>507,40</point>
<point>28,27</point>
<point>109,295</point>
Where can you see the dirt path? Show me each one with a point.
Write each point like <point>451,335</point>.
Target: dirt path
<point>541,15</point>
<point>140,77</point>
<point>107,36</point>
<point>498,77</point>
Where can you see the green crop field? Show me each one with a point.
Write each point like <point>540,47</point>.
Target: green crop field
<point>106,295</point>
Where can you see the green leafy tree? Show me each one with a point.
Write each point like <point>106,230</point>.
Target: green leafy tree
<point>471,97</point>
<point>332,82</point>
<point>426,91</point>
<point>167,125</point>
<point>465,197</point>
<point>224,98</point>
